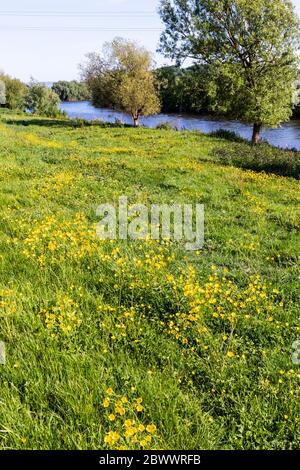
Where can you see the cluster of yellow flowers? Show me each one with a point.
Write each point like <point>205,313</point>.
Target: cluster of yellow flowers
<point>119,321</point>
<point>53,241</point>
<point>127,428</point>
<point>53,185</point>
<point>35,140</point>
<point>7,301</point>
<point>256,203</point>
<point>63,318</point>
<point>220,299</point>
<point>261,176</point>
<point>248,245</point>
<point>111,150</point>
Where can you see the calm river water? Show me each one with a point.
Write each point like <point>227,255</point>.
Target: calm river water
<point>286,136</point>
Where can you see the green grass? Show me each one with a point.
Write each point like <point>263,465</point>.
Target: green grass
<point>204,339</point>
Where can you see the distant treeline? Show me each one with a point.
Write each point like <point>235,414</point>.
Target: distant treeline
<point>35,97</point>
<point>71,91</point>
<point>179,90</point>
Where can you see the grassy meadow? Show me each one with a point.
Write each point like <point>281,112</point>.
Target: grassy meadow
<point>142,345</point>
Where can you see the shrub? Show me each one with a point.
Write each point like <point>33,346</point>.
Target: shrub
<point>15,93</point>
<point>263,157</point>
<point>43,100</point>
<point>166,126</point>
<point>227,135</point>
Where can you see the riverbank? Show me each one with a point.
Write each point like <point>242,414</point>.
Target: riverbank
<point>287,136</point>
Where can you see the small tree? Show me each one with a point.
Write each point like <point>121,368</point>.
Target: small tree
<point>42,100</point>
<point>15,92</point>
<point>2,93</point>
<point>122,78</point>
<point>251,47</point>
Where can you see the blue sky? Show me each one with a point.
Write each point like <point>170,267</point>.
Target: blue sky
<point>29,48</point>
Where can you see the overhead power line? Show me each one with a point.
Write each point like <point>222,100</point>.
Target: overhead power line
<point>80,13</point>
<point>72,28</point>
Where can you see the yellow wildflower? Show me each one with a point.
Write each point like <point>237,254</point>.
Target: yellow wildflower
<point>106,402</point>
<point>151,428</point>
<point>111,437</point>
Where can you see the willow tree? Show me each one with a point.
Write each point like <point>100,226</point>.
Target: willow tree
<point>251,47</point>
<point>122,78</point>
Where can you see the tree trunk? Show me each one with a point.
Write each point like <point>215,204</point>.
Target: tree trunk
<point>136,122</point>
<point>256,133</point>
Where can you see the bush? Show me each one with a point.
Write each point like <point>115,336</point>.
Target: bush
<point>15,93</point>
<point>166,126</point>
<point>227,135</point>
<point>262,157</point>
<point>42,100</point>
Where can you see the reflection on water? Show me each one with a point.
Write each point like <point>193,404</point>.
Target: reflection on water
<point>287,136</point>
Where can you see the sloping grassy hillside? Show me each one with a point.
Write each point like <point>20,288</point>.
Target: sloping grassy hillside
<point>142,345</point>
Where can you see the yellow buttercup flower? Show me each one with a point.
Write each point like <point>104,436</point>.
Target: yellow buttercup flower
<point>130,432</point>
<point>120,410</point>
<point>128,423</point>
<point>151,428</point>
<point>111,437</point>
<point>106,402</point>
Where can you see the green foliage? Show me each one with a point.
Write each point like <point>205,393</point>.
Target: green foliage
<point>122,78</point>
<point>183,90</point>
<point>296,101</point>
<point>99,80</point>
<point>166,126</point>
<point>15,92</point>
<point>251,48</point>
<point>168,83</point>
<point>263,157</point>
<point>71,91</point>
<point>42,100</point>
<point>228,135</point>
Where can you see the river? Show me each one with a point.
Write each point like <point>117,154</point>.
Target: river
<point>286,136</point>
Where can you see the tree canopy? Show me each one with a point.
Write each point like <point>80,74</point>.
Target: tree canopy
<point>251,48</point>
<point>183,89</point>
<point>15,92</point>
<point>122,78</point>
